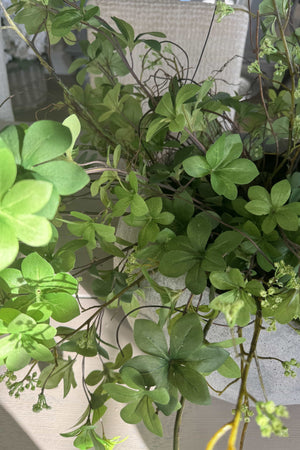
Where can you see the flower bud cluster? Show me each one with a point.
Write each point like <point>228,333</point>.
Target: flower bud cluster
<point>288,365</point>
<point>40,404</point>
<point>268,419</point>
<point>246,413</point>
<point>15,388</point>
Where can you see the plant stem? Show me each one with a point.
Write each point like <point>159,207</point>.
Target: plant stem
<point>177,425</point>
<point>234,425</point>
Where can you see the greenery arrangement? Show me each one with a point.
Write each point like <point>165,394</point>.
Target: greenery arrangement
<point>212,198</point>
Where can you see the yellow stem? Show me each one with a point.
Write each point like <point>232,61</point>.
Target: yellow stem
<point>217,436</point>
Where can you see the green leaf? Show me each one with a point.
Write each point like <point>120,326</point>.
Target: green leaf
<point>269,223</point>
<point>35,268</point>
<point>159,395</point>
<point>155,126</point>
<point>186,337</point>
<point>198,231</point>
<point>133,181</point>
<point>224,150</point>
<point>21,324</point>
<point>185,93</point>
<point>64,307</point>
<point>196,279</point>
<point>153,369</point>
<point>165,106</point>
<point>150,338</point>
<point>280,193</point>
<point>131,413</point>
<point>8,169</point>
<point>258,207</point>
<point>33,230</point>
<point>230,369</point>
<point>11,136</point>
<point>17,359</point>
<point>9,245</point>
<point>125,28</point>
<point>191,384</point>
<point>66,176</point>
<point>227,280</point>
<point>138,205</point>
<point>121,393</point>
<point>196,166</point>
<point>150,418</point>
<point>287,219</point>
<point>27,197</point>
<point>65,21</point>
<point>94,377</point>
<point>223,186</point>
<point>73,123</point>
<point>207,359</point>
<point>45,140</point>
<point>35,349</point>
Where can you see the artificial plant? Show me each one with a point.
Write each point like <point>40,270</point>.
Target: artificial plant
<point>210,183</point>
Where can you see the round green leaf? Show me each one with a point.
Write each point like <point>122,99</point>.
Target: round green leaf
<point>17,359</point>
<point>66,176</point>
<point>8,168</point>
<point>9,245</point>
<point>64,306</point>
<point>196,166</point>
<point>45,140</point>
<point>27,197</point>
<point>186,337</point>
<point>150,338</point>
<point>35,268</point>
<point>32,230</point>
<point>280,193</point>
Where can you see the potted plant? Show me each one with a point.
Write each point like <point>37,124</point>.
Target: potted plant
<point>213,202</point>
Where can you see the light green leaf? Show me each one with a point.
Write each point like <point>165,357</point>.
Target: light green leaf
<point>8,168</point>
<point>196,166</point>
<point>258,207</point>
<point>240,171</point>
<point>64,306</point>
<point>224,150</point>
<point>11,136</point>
<point>73,123</point>
<point>185,93</point>
<point>35,268</point>
<point>230,369</point>
<point>130,413</point>
<point>17,359</point>
<point>45,140</point>
<point>186,336</point>
<point>42,331</point>
<point>27,197</point>
<point>133,181</point>
<point>9,245</point>
<point>165,106</point>
<point>66,176</point>
<point>21,324</point>
<point>259,193</point>
<point>153,369</point>
<point>223,186</point>
<point>138,206</point>
<point>150,418</point>
<point>287,219</point>
<point>35,349</point>
<point>150,338</point>
<point>269,223</point>
<point>280,193</point>
<point>33,230</point>
<point>7,345</point>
